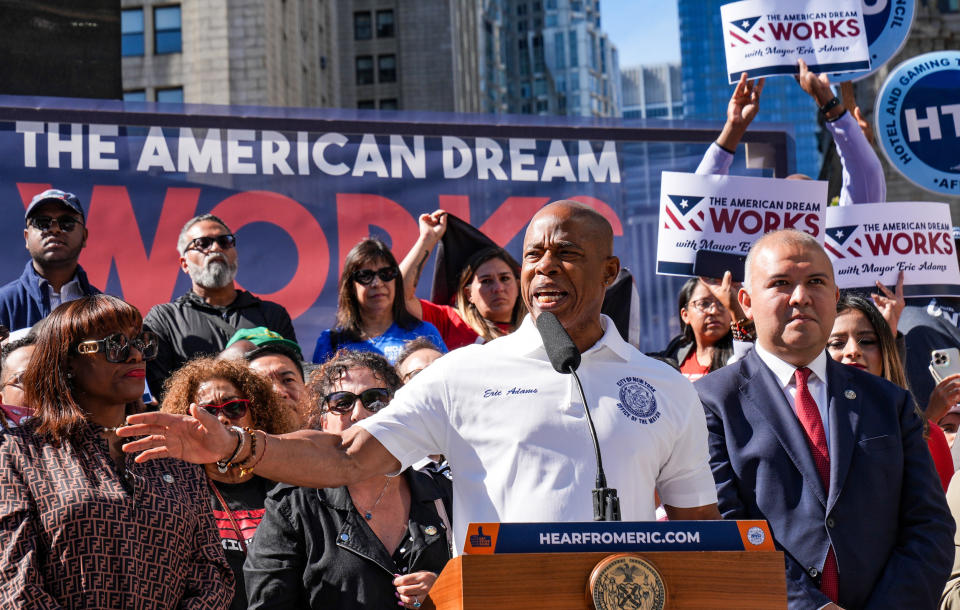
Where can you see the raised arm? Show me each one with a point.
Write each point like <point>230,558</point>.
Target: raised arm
<point>432,228</point>
<point>863,180</point>
<point>741,110</point>
<point>307,458</point>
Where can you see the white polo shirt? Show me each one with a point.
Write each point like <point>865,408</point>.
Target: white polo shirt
<point>516,437</point>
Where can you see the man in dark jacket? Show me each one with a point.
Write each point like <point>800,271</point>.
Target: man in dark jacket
<point>54,237</point>
<point>204,319</point>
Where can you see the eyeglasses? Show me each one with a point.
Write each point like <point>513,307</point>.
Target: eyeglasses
<point>365,276</point>
<point>707,304</point>
<point>372,399</point>
<point>116,347</point>
<point>66,223</point>
<point>16,380</point>
<point>225,241</point>
<point>232,409</point>
<point>410,375</point>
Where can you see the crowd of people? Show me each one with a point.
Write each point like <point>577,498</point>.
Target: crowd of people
<point>193,457</point>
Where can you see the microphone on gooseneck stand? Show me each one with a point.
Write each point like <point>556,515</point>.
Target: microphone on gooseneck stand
<point>565,358</point>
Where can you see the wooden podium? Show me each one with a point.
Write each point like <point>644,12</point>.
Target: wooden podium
<point>693,579</point>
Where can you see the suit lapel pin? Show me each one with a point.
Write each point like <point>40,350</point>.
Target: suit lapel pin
<point>850,394</point>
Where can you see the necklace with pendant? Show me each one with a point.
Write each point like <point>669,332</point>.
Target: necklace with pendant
<point>369,514</point>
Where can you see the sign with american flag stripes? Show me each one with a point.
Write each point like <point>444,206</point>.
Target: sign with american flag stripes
<point>875,242</point>
<point>726,214</point>
<point>767,37</point>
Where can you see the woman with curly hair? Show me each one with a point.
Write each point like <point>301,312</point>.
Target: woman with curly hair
<point>238,397</point>
<point>377,543</point>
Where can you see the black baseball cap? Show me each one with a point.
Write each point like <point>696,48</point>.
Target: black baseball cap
<point>62,197</point>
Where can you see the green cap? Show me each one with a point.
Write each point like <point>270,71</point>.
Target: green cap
<point>261,335</point>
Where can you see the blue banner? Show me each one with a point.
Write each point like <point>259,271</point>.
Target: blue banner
<point>617,536</point>
<point>300,187</point>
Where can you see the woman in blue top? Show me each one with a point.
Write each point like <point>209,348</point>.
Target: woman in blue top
<point>371,315</point>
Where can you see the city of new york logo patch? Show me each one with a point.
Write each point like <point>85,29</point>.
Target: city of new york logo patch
<point>638,400</point>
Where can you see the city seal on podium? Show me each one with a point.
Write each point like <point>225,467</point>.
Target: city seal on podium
<point>626,582</point>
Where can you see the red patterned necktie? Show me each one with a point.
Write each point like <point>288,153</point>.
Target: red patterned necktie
<point>809,417</point>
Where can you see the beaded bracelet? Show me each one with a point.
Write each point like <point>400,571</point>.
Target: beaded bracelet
<point>248,469</point>
<point>224,465</point>
<point>743,330</point>
<point>253,447</point>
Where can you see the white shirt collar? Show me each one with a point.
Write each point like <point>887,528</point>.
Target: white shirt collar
<point>530,342</point>
<point>784,371</point>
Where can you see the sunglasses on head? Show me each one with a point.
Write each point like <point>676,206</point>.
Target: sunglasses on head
<point>226,241</point>
<point>116,347</point>
<point>232,409</point>
<point>365,276</point>
<point>372,399</point>
<point>66,222</point>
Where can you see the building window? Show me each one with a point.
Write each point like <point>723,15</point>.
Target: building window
<point>166,26</point>
<point>137,95</point>
<point>389,104</point>
<point>366,105</point>
<point>364,70</point>
<point>385,24</point>
<point>539,64</point>
<point>949,6</point>
<point>523,56</point>
<point>560,50</point>
<point>131,32</point>
<point>362,26</point>
<point>573,49</point>
<point>387,68</point>
<point>521,9</point>
<point>171,95</point>
<point>542,106</point>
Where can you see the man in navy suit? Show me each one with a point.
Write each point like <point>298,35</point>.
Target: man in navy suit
<point>831,456</point>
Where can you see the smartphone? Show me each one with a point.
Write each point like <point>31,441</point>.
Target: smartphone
<point>712,264</point>
<point>944,362</point>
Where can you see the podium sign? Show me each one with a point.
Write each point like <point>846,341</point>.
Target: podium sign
<point>617,536</point>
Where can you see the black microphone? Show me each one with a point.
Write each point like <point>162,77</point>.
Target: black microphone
<point>565,358</point>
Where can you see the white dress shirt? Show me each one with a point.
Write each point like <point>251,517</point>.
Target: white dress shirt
<point>816,383</point>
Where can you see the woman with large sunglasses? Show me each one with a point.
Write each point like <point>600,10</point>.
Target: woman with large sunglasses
<point>80,525</point>
<point>377,543</point>
<point>238,397</point>
<point>371,314</point>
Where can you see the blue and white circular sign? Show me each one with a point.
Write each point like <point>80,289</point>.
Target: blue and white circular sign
<point>887,23</point>
<point>918,121</point>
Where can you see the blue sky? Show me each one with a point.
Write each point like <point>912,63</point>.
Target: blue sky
<point>644,31</point>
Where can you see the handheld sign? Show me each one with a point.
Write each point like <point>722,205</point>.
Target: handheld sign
<point>767,37</point>
<point>887,24</point>
<point>616,536</point>
<point>874,242</point>
<point>918,121</point>
<point>728,213</point>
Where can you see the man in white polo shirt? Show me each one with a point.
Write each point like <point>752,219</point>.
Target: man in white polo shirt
<point>513,429</point>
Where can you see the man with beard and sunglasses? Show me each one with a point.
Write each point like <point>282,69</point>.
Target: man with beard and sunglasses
<point>54,235</point>
<point>202,321</point>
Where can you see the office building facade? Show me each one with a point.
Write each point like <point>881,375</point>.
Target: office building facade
<point>652,92</point>
<point>242,52</point>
